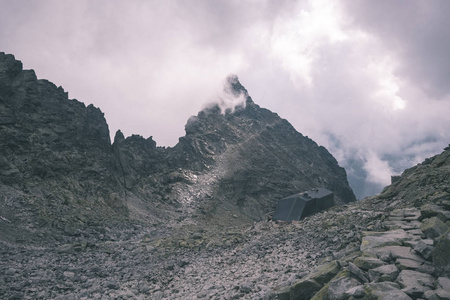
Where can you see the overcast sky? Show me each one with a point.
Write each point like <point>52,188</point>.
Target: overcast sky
<point>369,80</point>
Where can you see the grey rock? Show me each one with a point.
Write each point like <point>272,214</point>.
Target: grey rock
<point>438,294</point>
<point>283,294</point>
<point>433,227</point>
<point>67,248</point>
<point>427,268</point>
<point>246,287</point>
<point>68,274</point>
<point>158,295</point>
<point>367,263</point>
<point>444,283</point>
<point>425,250</point>
<point>380,239</point>
<point>384,273</point>
<point>112,285</point>
<point>441,255</point>
<point>304,289</point>
<point>357,272</point>
<point>431,210</point>
<point>415,283</point>
<point>324,273</point>
<point>356,292</point>
<point>384,291</point>
<point>407,264</point>
<point>395,252</point>
<point>337,289</point>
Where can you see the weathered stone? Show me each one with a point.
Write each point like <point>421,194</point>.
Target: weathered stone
<point>66,248</point>
<point>69,274</point>
<point>407,264</point>
<point>380,239</point>
<point>356,292</point>
<point>415,283</point>
<point>427,268</point>
<point>325,273</point>
<point>367,263</point>
<point>384,291</point>
<point>441,255</point>
<point>446,204</point>
<point>425,250</point>
<point>337,288</point>
<point>112,285</point>
<point>429,210</point>
<point>283,294</point>
<point>433,227</point>
<point>384,273</point>
<point>245,287</point>
<point>395,252</point>
<point>438,294</point>
<point>304,289</point>
<point>405,225</point>
<point>357,272</point>
<point>444,283</point>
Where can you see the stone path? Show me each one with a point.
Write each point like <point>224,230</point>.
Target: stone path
<point>408,259</point>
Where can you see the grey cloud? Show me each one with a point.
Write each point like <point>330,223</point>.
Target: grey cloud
<point>417,32</point>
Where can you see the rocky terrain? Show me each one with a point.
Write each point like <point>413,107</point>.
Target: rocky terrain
<point>58,167</point>
<point>83,219</point>
<point>395,244</point>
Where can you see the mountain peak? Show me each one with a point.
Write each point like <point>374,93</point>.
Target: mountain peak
<point>235,155</point>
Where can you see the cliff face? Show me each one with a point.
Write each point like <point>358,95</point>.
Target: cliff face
<point>58,164</point>
<point>55,158</point>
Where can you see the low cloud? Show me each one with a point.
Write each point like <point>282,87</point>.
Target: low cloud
<point>229,98</point>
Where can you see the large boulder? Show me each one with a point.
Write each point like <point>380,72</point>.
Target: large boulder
<point>367,263</point>
<point>373,239</point>
<point>304,289</point>
<point>414,283</point>
<point>433,227</point>
<point>441,255</point>
<point>384,273</point>
<point>311,284</point>
<point>384,291</point>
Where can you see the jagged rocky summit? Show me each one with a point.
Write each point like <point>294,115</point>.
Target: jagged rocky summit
<point>58,167</point>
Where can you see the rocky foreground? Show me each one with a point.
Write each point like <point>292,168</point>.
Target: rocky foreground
<point>394,245</point>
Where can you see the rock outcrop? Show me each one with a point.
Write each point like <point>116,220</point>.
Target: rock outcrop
<point>58,167</point>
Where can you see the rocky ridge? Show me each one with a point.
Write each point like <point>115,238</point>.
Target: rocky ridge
<point>59,170</point>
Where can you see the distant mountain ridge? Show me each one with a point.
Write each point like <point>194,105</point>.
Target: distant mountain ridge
<point>58,166</point>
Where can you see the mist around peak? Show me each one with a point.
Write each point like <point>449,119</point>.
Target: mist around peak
<point>231,96</point>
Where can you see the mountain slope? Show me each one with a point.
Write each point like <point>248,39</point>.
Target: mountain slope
<point>57,162</point>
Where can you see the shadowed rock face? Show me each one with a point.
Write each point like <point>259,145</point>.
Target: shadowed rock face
<point>58,163</point>
<point>55,157</point>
